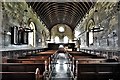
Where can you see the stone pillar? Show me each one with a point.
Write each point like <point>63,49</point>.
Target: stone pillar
<point>0,38</point>
<point>118,30</point>
<point>1,17</point>
<point>106,26</point>
<point>87,38</point>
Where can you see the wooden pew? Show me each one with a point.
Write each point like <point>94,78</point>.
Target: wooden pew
<point>44,53</point>
<point>18,75</point>
<point>25,61</point>
<point>90,60</point>
<point>98,71</point>
<point>30,59</point>
<point>21,71</point>
<point>75,53</point>
<point>86,61</point>
<point>35,55</point>
<point>24,67</point>
<point>49,52</point>
<point>83,58</point>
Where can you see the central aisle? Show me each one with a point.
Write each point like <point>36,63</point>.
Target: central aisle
<point>61,70</point>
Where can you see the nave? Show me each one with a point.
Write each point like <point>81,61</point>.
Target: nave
<point>31,32</point>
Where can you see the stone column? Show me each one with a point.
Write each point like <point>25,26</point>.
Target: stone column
<point>87,38</point>
<point>106,26</point>
<point>1,17</point>
<point>0,37</point>
<point>118,30</point>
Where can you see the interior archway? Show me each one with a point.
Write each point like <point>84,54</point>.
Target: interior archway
<point>57,40</point>
<point>65,33</point>
<point>66,39</point>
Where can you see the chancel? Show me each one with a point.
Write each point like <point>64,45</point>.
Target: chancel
<point>60,39</point>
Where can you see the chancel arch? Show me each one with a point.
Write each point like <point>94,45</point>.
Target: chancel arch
<point>62,31</point>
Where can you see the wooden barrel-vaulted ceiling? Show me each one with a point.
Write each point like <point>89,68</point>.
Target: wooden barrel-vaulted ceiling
<point>69,13</point>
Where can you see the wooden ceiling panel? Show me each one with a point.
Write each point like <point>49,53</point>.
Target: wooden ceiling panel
<point>69,13</point>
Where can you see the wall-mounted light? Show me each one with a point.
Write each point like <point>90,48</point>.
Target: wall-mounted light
<point>114,34</point>
<point>39,40</point>
<point>98,28</point>
<point>6,33</point>
<point>96,10</point>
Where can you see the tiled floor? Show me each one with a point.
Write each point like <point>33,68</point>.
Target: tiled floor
<point>61,70</point>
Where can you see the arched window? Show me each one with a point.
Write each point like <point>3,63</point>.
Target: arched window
<point>90,38</point>
<point>31,35</point>
<point>57,40</point>
<point>90,34</point>
<point>66,40</point>
<point>61,29</point>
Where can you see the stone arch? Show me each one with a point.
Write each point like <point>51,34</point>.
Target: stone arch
<point>32,35</point>
<point>66,39</point>
<point>57,40</point>
<point>90,34</point>
<point>67,32</point>
<point>90,24</point>
<point>43,38</point>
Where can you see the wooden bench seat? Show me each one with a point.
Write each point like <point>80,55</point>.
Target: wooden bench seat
<point>90,60</point>
<point>81,57</point>
<point>75,53</point>
<point>38,57</point>
<point>34,56</point>
<point>30,59</point>
<point>45,53</point>
<point>49,52</point>
<point>25,61</point>
<point>21,71</point>
<point>19,76</point>
<point>102,71</point>
<point>23,67</point>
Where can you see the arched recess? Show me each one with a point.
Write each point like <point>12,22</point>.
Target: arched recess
<point>57,40</point>
<point>90,33</point>
<point>43,38</point>
<point>31,35</point>
<point>66,39</point>
<point>90,24</point>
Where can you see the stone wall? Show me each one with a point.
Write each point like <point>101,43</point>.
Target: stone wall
<point>104,15</point>
<point>0,37</point>
<point>1,24</point>
<point>19,14</point>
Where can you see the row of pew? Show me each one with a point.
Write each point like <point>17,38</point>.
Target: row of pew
<point>30,67</point>
<point>93,67</point>
<point>84,66</point>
